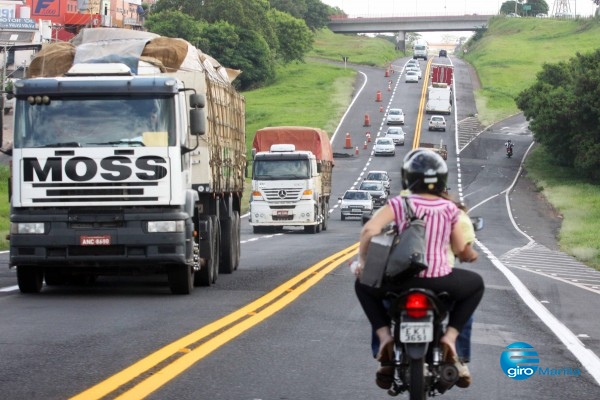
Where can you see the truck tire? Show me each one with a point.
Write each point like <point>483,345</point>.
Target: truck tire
<point>312,229</point>
<point>237,227</point>
<point>181,278</point>
<point>53,277</point>
<point>325,217</point>
<point>228,247</point>
<point>207,274</point>
<point>30,279</point>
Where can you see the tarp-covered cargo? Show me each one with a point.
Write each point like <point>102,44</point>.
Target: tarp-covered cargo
<point>303,138</point>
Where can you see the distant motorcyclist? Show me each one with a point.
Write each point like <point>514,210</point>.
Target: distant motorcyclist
<point>509,147</point>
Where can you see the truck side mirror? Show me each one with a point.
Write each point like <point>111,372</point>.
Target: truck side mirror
<point>197,121</point>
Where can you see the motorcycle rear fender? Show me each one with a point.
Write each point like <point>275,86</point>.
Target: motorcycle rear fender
<point>416,351</point>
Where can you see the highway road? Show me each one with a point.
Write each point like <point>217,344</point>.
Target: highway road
<point>286,324</point>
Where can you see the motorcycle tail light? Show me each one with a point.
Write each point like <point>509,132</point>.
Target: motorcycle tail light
<point>417,305</point>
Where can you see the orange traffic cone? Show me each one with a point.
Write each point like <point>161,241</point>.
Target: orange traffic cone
<point>369,137</point>
<point>381,109</point>
<point>389,87</point>
<point>387,73</point>
<point>367,120</point>
<point>356,151</point>
<point>348,141</point>
<point>378,98</point>
<point>365,146</point>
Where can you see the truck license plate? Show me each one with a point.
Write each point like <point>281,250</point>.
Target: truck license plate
<point>104,240</point>
<point>282,212</point>
<point>416,332</point>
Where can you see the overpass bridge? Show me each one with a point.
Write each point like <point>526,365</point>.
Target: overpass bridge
<point>401,25</point>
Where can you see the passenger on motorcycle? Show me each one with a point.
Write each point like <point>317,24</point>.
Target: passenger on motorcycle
<point>424,174</point>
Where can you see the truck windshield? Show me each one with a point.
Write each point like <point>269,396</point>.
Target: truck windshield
<point>95,121</point>
<point>281,169</point>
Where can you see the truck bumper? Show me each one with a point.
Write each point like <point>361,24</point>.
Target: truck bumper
<point>105,243</point>
<point>298,214</point>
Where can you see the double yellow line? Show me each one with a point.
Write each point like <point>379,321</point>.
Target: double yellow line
<point>420,114</point>
<point>160,367</point>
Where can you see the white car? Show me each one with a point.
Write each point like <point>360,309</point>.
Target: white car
<point>395,117</point>
<point>416,69</point>
<point>384,146</point>
<point>437,123</point>
<point>397,135</point>
<point>411,76</point>
<point>356,203</point>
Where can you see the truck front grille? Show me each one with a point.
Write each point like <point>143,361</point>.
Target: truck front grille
<point>282,194</point>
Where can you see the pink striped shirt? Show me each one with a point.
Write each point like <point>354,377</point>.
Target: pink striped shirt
<point>439,215</point>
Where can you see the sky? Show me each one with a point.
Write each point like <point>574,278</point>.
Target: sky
<point>405,8</point>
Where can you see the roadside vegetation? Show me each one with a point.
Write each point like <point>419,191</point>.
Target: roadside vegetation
<point>507,58</point>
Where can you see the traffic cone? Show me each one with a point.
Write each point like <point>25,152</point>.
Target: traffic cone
<point>365,146</point>
<point>367,120</point>
<point>381,109</point>
<point>369,137</point>
<point>387,73</point>
<point>348,141</point>
<point>389,87</point>
<point>356,151</point>
<point>378,98</point>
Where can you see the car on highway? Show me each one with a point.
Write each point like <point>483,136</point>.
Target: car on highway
<point>443,53</point>
<point>377,191</point>
<point>356,203</point>
<point>437,123</point>
<point>395,117</point>
<point>417,69</point>
<point>384,146</point>
<point>413,63</point>
<point>382,176</point>
<point>396,134</point>
<point>411,76</point>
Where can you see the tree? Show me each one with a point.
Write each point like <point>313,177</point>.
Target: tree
<point>295,39</point>
<point>174,24</point>
<point>316,14</point>
<point>253,56</point>
<point>563,107</point>
<point>537,6</point>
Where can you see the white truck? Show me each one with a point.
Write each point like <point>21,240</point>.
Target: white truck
<point>100,188</point>
<point>439,99</point>
<point>291,178</point>
<point>420,49</point>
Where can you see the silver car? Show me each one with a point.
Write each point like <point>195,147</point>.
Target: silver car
<point>384,146</point>
<point>356,203</point>
<point>397,135</point>
<point>382,176</point>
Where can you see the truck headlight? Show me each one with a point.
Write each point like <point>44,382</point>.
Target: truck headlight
<point>166,226</point>
<point>28,228</point>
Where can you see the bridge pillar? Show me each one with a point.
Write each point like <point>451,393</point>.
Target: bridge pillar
<point>401,41</point>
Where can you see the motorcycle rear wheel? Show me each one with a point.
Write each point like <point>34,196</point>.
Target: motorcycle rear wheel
<point>417,380</point>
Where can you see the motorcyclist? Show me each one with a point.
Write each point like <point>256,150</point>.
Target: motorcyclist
<point>509,146</point>
<point>424,175</point>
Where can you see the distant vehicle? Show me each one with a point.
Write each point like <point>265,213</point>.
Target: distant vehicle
<point>384,147</point>
<point>420,49</point>
<point>355,203</point>
<point>437,123</point>
<point>397,135</point>
<point>395,117</point>
<point>541,15</point>
<point>513,15</point>
<point>417,69</point>
<point>377,191</point>
<point>382,176</point>
<point>443,53</point>
<point>413,62</point>
<point>411,76</point>
<point>564,15</point>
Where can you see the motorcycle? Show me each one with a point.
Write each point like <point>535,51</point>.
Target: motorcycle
<point>419,319</point>
<point>509,151</point>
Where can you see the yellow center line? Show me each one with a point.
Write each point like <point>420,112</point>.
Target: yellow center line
<point>248,316</point>
<point>417,136</point>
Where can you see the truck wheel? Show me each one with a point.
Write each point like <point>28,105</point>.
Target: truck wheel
<point>207,274</point>
<point>343,217</point>
<point>181,278</point>
<point>227,246</point>
<point>237,237</point>
<point>52,277</point>
<point>310,229</point>
<point>325,217</point>
<point>30,279</point>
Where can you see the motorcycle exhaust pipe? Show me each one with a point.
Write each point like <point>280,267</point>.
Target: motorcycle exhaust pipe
<point>447,378</point>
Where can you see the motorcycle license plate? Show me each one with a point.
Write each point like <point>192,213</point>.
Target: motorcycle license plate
<point>416,332</point>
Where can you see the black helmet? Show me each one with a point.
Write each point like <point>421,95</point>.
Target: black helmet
<point>407,157</point>
<point>425,172</point>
